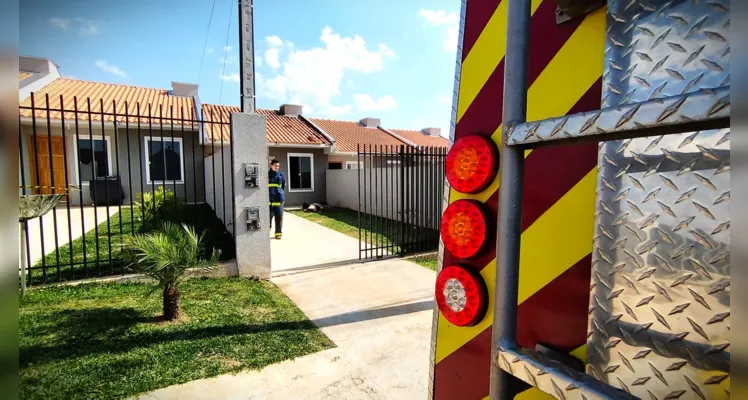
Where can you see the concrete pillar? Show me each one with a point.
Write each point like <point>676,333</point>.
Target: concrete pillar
<point>250,146</point>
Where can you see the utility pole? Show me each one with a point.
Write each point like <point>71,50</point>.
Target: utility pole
<point>247,55</point>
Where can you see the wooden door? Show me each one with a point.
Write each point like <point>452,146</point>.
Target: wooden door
<point>46,170</point>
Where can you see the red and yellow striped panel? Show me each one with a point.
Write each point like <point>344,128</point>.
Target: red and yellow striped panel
<point>566,66</point>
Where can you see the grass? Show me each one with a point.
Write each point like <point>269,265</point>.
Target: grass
<point>105,341</point>
<point>110,234</point>
<point>375,230</point>
<point>427,261</point>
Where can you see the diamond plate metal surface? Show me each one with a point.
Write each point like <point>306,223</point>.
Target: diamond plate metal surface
<point>706,107</point>
<point>660,293</point>
<point>554,378</point>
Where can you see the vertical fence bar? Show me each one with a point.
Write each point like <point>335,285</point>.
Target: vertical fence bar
<point>53,187</point>
<point>421,197</point>
<point>181,150</point>
<point>358,176</point>
<point>510,194</point>
<point>365,242</point>
<point>165,182</point>
<point>106,187</point>
<point>390,203</point>
<point>129,168</point>
<point>223,172</point>
<point>370,166</point>
<point>200,124</point>
<point>401,193</point>
<point>119,176</point>
<point>375,200</point>
<point>66,183</point>
<point>182,122</point>
<point>233,194</point>
<point>213,161</point>
<point>149,154</point>
<point>143,174</point>
<point>80,184</point>
<point>38,184</point>
<point>22,170</point>
<point>92,185</point>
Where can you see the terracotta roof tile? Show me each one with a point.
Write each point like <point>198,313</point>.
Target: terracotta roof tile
<point>420,139</point>
<point>161,103</point>
<point>23,75</point>
<point>280,128</point>
<point>348,135</point>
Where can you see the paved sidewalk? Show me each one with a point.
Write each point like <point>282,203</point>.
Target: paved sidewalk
<point>378,314</point>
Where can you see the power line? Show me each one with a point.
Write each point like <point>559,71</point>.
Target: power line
<point>225,51</point>
<point>205,45</point>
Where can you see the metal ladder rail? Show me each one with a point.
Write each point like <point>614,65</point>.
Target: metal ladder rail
<point>704,109</point>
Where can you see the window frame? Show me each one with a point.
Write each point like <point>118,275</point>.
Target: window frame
<point>76,150</point>
<point>311,164</point>
<point>148,180</point>
<point>359,163</point>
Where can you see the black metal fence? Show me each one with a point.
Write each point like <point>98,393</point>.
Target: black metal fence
<point>123,167</point>
<point>400,191</point>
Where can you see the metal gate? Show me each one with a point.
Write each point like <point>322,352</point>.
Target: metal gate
<point>118,167</point>
<point>400,192</point>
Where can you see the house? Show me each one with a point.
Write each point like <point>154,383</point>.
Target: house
<point>73,131</point>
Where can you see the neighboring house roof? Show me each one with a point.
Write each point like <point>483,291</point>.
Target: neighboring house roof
<point>160,100</point>
<point>349,135</point>
<point>23,75</point>
<point>421,139</point>
<point>280,129</point>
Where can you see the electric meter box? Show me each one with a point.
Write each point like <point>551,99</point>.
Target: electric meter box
<point>251,175</point>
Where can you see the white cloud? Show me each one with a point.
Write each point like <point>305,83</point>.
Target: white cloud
<point>210,51</point>
<point>110,68</point>
<point>85,26</point>
<point>365,102</point>
<point>227,49</point>
<point>272,57</point>
<point>274,41</point>
<point>88,27</point>
<point>442,18</point>
<point>62,23</point>
<point>230,77</point>
<point>313,77</point>
<point>258,62</point>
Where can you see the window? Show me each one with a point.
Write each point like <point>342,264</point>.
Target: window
<point>334,165</point>
<point>354,165</point>
<point>164,160</point>
<point>393,162</point>
<point>94,157</point>
<point>300,172</point>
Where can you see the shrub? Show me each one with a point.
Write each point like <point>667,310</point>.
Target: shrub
<point>169,255</point>
<point>152,207</point>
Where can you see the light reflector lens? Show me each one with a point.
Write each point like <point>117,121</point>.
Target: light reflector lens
<point>461,296</point>
<point>464,228</point>
<point>472,163</point>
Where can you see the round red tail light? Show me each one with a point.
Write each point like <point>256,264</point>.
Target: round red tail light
<point>461,295</point>
<point>472,163</point>
<point>465,228</point>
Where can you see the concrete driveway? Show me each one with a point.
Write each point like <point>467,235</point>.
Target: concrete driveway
<point>378,314</point>
<point>79,225</point>
<point>307,244</point>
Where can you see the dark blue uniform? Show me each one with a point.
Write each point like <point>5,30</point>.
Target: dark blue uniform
<point>276,185</point>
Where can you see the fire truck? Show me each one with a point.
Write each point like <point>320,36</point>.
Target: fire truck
<point>585,235</point>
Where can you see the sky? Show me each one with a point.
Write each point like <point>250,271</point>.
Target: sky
<point>387,59</point>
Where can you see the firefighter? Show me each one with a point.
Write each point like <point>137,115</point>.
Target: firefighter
<point>276,186</point>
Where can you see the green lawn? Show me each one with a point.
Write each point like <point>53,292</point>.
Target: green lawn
<point>375,230</point>
<point>428,261</point>
<point>109,236</point>
<point>105,341</point>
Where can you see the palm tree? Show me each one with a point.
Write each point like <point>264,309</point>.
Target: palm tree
<point>169,256</point>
